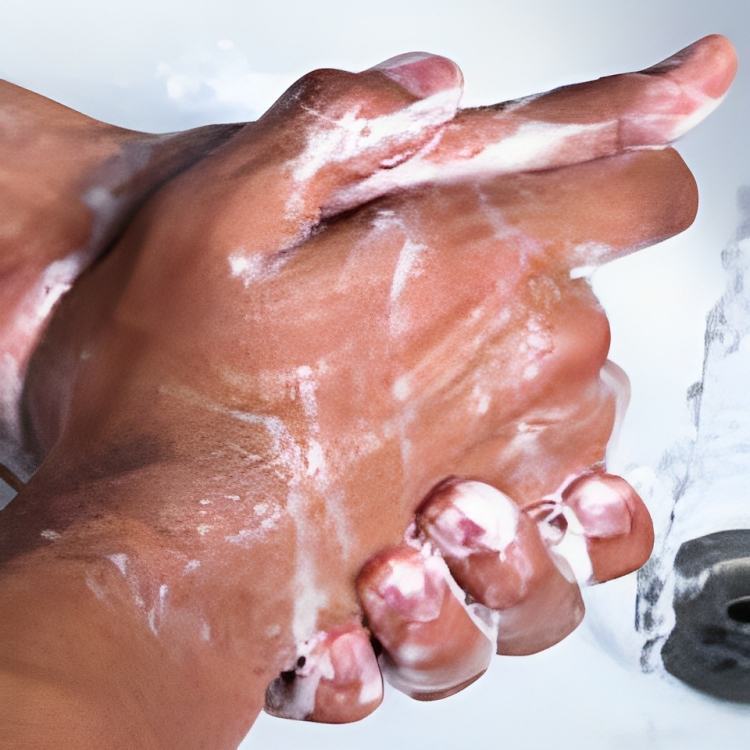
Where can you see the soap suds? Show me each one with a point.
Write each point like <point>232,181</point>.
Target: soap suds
<point>351,135</point>
<point>205,632</point>
<point>534,145</point>
<point>401,389</point>
<point>120,561</point>
<point>407,266</point>
<point>251,268</point>
<point>684,124</point>
<point>483,403</point>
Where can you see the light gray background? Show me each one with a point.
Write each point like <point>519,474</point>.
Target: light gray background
<point>169,64</point>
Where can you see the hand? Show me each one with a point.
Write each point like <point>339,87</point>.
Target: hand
<point>350,301</point>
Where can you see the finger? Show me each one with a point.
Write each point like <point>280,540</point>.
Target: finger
<point>592,213</point>
<point>573,218</point>
<point>569,125</point>
<point>616,525</point>
<point>495,553</point>
<point>335,680</point>
<point>431,645</point>
<point>647,108</point>
<point>330,130</point>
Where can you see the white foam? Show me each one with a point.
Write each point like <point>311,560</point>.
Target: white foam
<point>251,268</point>
<point>490,509</point>
<point>401,389</point>
<point>307,386</point>
<point>573,548</point>
<point>316,462</point>
<point>407,578</point>
<point>590,256</point>
<point>244,537</point>
<point>309,599</point>
<point>120,560</point>
<point>54,282</point>
<point>483,402</point>
<point>704,110</point>
<point>351,135</point>
<point>408,265</point>
<point>533,146</point>
<point>205,632</point>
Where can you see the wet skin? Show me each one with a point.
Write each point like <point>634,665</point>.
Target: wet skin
<point>300,330</point>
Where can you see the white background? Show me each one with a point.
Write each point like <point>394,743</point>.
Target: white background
<point>170,64</point>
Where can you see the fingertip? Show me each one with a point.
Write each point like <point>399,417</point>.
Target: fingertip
<point>462,516</point>
<point>602,504</point>
<point>482,535</point>
<point>616,523</point>
<point>552,609</point>
<point>422,73</point>
<point>710,64</point>
<point>355,688</point>
<point>496,554</point>
<point>335,680</point>
<point>431,645</point>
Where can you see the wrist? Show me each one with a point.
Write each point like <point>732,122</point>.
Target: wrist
<point>114,627</point>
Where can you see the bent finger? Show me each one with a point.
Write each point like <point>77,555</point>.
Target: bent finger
<point>431,645</point>
<point>334,680</point>
<point>616,525</point>
<point>496,554</point>
<point>592,213</point>
<point>569,125</point>
<point>329,131</point>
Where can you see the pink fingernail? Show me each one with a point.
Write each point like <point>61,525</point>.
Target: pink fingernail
<point>343,665</point>
<point>401,587</point>
<point>600,502</point>
<point>421,73</point>
<point>354,662</point>
<point>466,517</point>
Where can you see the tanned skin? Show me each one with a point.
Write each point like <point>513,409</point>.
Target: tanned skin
<point>283,343</point>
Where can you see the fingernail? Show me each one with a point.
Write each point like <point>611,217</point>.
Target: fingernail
<point>403,589</point>
<point>356,670</point>
<point>467,517</point>
<point>422,73</point>
<point>600,503</point>
<point>336,679</point>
